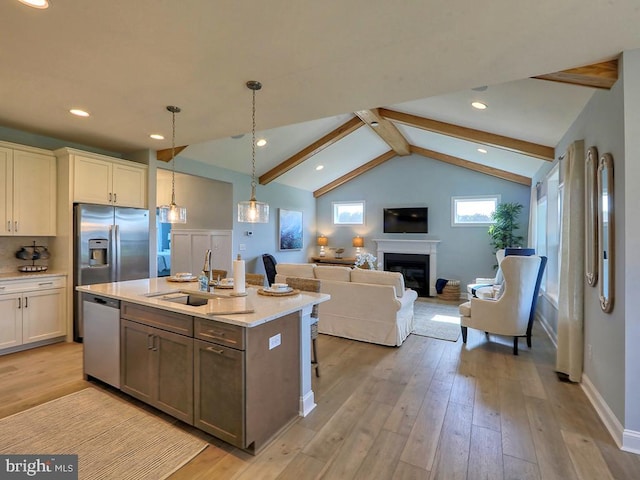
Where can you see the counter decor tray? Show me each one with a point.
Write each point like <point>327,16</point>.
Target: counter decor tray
<point>276,293</point>
<point>192,278</point>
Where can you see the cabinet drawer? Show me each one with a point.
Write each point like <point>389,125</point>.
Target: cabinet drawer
<point>26,285</point>
<point>170,321</point>
<point>218,332</point>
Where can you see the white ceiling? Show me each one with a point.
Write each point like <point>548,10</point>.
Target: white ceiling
<point>124,61</point>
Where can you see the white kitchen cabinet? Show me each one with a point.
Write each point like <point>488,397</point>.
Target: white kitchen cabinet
<point>189,246</point>
<point>28,191</point>
<point>106,181</point>
<point>31,311</point>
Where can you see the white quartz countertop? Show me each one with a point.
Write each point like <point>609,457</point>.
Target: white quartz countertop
<point>30,275</point>
<point>150,292</point>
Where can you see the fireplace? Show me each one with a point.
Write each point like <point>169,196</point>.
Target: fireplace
<point>426,248</point>
<point>414,269</point>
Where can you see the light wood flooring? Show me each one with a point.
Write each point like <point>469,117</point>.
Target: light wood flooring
<point>430,409</point>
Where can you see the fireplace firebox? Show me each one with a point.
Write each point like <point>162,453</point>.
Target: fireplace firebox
<point>414,269</point>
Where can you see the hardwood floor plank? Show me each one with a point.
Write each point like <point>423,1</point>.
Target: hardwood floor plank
<point>404,413</point>
<point>517,469</point>
<point>349,457</point>
<point>277,455</point>
<point>406,471</point>
<point>302,467</point>
<point>382,458</point>
<point>551,452</point>
<point>486,406</point>
<point>517,439</point>
<point>452,457</point>
<point>485,455</point>
<point>586,457</point>
<point>331,436</point>
<point>424,437</point>
<point>622,465</point>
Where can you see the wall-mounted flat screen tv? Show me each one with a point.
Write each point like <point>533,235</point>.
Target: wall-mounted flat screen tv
<point>406,220</point>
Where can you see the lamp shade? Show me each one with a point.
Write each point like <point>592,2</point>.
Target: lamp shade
<point>358,242</point>
<point>323,241</point>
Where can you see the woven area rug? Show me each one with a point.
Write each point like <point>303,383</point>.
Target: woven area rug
<point>112,438</point>
<point>436,320</point>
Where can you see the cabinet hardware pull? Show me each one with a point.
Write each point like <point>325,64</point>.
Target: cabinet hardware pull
<point>115,198</point>
<point>15,226</point>
<point>42,284</point>
<point>213,332</point>
<point>19,303</point>
<point>215,350</point>
<point>110,197</point>
<point>26,302</point>
<point>155,343</point>
<point>9,225</point>
<point>149,341</point>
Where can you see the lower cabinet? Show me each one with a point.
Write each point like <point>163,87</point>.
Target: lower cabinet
<point>157,368</point>
<point>219,391</point>
<point>31,311</point>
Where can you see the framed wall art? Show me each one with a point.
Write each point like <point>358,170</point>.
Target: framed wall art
<point>290,229</point>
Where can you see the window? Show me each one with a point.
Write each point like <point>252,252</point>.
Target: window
<point>549,223</point>
<point>473,211</point>
<point>348,213</point>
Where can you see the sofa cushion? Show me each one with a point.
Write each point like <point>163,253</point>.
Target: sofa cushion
<point>303,270</point>
<point>379,277</point>
<point>329,272</point>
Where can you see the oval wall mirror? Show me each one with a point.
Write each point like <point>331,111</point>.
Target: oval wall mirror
<point>591,217</point>
<point>606,231</point>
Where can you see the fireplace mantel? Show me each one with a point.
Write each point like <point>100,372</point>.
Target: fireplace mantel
<point>421,247</point>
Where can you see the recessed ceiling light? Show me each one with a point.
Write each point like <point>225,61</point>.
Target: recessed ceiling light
<point>319,167</point>
<point>479,105</point>
<point>261,143</point>
<point>482,150</point>
<point>42,4</point>
<point>157,136</point>
<point>78,112</point>
<point>374,124</point>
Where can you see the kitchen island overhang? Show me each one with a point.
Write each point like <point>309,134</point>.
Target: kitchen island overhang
<point>159,294</point>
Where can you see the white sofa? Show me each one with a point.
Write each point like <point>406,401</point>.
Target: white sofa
<point>367,305</point>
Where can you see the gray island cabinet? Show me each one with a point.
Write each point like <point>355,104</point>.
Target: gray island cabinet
<point>240,377</point>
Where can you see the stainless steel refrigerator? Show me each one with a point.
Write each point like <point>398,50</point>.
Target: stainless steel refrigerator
<point>111,245</point>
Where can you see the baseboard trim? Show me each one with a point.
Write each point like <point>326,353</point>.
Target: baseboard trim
<point>604,412</point>
<point>631,441</point>
<point>307,403</point>
<point>547,328</point>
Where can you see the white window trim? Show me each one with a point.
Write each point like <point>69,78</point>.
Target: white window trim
<point>334,205</point>
<point>497,197</point>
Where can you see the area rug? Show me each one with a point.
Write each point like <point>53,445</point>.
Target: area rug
<point>436,320</point>
<point>112,438</point>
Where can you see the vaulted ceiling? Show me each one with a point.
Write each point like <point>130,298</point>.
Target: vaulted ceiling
<point>324,65</point>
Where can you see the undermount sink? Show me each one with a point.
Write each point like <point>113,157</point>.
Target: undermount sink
<point>184,297</point>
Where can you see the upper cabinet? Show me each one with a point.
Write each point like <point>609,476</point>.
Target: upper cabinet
<point>106,181</point>
<point>27,190</point>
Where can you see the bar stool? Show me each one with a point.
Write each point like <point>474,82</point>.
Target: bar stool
<point>309,285</point>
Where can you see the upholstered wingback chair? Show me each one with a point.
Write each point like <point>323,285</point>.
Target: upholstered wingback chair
<point>509,313</point>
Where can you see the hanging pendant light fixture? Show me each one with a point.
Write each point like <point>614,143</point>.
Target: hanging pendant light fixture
<point>253,211</point>
<point>172,213</point>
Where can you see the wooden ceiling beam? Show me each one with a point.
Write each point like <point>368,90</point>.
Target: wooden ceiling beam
<point>471,135</point>
<point>354,173</point>
<point>459,162</point>
<point>598,75</point>
<point>165,155</point>
<point>386,130</point>
<point>307,152</point>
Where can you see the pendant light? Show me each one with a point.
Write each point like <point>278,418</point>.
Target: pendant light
<point>253,211</point>
<point>172,213</point>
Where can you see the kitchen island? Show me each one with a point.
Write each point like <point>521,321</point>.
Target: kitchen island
<point>240,376</point>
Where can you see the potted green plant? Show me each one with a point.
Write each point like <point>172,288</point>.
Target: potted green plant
<point>502,232</point>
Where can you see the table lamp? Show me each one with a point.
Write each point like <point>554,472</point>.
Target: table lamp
<point>322,242</point>
<point>358,242</point>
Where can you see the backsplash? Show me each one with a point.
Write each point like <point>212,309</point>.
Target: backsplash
<point>10,245</point>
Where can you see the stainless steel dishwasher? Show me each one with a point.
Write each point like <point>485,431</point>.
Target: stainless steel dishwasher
<point>101,338</point>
